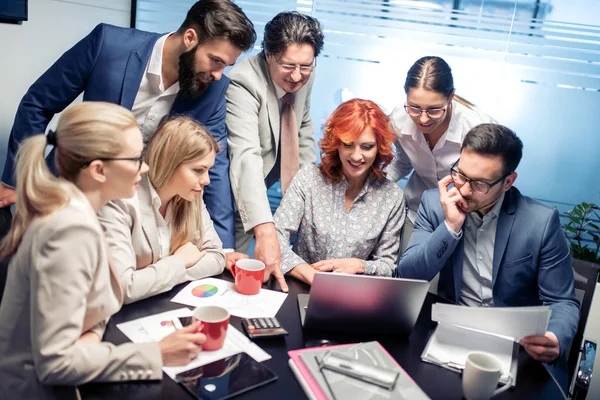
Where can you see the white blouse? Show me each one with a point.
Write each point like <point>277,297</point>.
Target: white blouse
<point>413,152</point>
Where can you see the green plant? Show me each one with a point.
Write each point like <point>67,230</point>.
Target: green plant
<point>583,232</point>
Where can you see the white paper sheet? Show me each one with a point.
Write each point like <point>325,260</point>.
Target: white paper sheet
<point>155,327</point>
<point>512,322</point>
<point>218,292</point>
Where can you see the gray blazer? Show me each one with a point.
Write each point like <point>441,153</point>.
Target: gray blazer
<point>131,229</point>
<point>59,286</point>
<point>253,122</point>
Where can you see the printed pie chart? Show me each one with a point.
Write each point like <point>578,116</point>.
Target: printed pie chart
<point>204,291</point>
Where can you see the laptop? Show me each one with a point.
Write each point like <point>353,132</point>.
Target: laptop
<point>362,303</point>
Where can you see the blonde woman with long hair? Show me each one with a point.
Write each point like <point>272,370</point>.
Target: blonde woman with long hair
<point>60,288</point>
<point>164,236</point>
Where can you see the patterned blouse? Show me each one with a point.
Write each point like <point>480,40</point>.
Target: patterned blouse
<point>313,208</point>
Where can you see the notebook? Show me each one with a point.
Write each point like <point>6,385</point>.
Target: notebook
<point>322,384</point>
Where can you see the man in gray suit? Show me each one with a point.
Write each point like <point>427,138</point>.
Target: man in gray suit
<point>270,130</point>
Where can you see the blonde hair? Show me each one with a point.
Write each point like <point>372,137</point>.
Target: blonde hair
<point>177,141</point>
<point>85,132</point>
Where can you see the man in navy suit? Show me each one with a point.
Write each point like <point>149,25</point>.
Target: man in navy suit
<point>155,76</point>
<point>493,246</point>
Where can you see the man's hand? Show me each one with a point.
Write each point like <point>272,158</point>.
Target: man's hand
<point>267,250</point>
<point>453,204</point>
<point>344,265</point>
<point>233,257</point>
<point>542,348</point>
<point>8,195</point>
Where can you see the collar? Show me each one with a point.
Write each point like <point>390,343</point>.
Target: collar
<point>155,63</point>
<point>279,91</point>
<point>494,212</point>
<point>367,186</point>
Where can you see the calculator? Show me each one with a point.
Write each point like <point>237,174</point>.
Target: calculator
<point>262,327</point>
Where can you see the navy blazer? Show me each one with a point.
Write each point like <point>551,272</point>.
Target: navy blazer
<point>531,266</point>
<point>108,65</point>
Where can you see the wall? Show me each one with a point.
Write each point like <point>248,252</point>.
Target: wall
<point>30,48</point>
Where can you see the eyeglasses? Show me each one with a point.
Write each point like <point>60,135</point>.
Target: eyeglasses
<point>477,186</point>
<point>433,113</point>
<point>291,68</point>
<point>140,161</point>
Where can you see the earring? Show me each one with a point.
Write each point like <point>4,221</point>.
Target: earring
<point>103,179</point>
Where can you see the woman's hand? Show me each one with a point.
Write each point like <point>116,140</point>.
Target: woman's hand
<point>181,346</point>
<point>343,265</point>
<point>233,257</point>
<point>89,337</point>
<point>189,254</point>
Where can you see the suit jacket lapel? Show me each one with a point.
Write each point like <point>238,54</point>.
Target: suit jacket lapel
<point>272,104</point>
<point>457,263</point>
<point>505,223</point>
<point>148,217</point>
<point>136,65</point>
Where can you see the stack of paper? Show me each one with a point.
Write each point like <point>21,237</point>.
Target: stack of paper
<point>155,327</point>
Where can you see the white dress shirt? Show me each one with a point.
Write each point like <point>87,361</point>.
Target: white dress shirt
<point>164,224</point>
<point>413,152</point>
<point>153,102</point>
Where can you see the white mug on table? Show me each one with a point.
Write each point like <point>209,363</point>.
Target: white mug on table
<point>480,376</point>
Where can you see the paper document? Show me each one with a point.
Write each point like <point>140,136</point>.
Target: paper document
<point>155,327</point>
<point>512,322</point>
<point>450,344</point>
<point>218,292</point>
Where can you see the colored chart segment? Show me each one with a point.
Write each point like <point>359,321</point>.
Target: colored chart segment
<point>204,291</point>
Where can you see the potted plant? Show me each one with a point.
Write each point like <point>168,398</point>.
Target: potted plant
<point>583,232</point>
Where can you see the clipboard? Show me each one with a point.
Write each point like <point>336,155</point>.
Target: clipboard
<point>449,346</point>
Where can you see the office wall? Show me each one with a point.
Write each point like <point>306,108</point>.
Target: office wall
<point>28,49</point>
<point>533,65</point>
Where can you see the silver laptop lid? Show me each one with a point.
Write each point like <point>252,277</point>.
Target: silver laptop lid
<point>364,303</point>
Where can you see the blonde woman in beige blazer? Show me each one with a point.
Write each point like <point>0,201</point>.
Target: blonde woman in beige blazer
<point>164,236</point>
<point>60,289</point>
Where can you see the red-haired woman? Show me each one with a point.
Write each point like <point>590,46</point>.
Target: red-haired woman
<point>346,215</point>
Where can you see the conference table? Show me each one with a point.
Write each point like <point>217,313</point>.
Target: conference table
<point>533,380</point>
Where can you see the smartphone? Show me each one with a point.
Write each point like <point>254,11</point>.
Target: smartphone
<point>586,363</point>
<point>585,367</point>
<point>225,378</point>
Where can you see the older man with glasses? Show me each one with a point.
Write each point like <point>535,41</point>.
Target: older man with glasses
<point>494,247</point>
<point>270,129</point>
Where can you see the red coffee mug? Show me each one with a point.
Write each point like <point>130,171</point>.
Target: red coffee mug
<point>214,321</point>
<point>248,276</point>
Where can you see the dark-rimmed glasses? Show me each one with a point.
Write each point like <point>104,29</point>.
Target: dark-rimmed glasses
<point>433,113</point>
<point>140,161</point>
<point>476,186</point>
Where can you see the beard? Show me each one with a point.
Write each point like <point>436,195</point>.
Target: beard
<point>191,84</point>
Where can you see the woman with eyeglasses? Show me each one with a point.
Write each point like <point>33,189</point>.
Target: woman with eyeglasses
<point>430,127</point>
<point>60,289</point>
<point>164,236</point>
<point>346,216</point>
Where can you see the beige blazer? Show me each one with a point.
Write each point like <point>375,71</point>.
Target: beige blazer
<point>60,285</point>
<point>131,230</point>
<point>253,122</point>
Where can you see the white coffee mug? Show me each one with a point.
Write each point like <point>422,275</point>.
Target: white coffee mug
<point>481,375</point>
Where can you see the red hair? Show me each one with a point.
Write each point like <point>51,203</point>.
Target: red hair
<point>346,124</point>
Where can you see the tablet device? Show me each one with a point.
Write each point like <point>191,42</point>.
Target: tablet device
<point>225,378</point>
